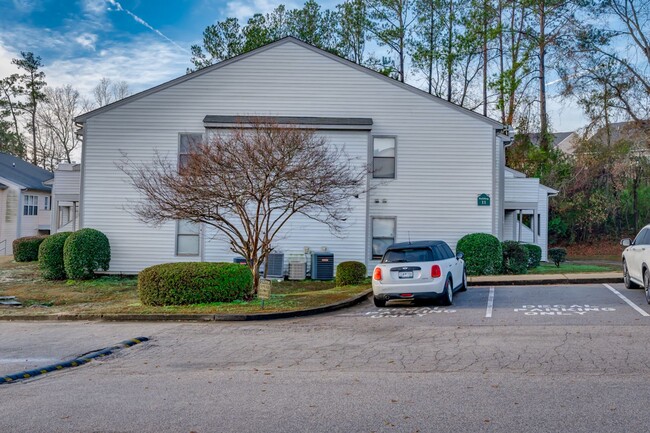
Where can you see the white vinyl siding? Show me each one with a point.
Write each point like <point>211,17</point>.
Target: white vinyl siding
<point>444,158</point>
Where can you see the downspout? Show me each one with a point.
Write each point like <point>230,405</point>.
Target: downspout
<point>82,132</point>
<point>507,139</point>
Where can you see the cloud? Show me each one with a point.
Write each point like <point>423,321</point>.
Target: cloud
<point>244,9</point>
<point>25,6</point>
<point>87,40</point>
<point>6,54</point>
<point>94,7</point>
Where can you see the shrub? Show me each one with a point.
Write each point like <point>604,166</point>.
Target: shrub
<point>84,252</point>
<point>194,283</point>
<point>515,258</point>
<point>483,253</point>
<point>534,255</point>
<point>50,256</point>
<point>349,273</point>
<point>558,255</point>
<point>26,248</point>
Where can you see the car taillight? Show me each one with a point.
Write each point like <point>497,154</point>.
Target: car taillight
<point>377,274</point>
<point>435,271</point>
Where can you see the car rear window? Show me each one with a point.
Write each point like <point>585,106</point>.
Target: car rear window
<point>408,255</point>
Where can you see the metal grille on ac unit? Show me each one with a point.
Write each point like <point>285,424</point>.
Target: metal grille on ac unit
<point>322,266</point>
<point>275,268</point>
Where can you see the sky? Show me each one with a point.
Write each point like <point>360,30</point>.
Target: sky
<point>143,42</point>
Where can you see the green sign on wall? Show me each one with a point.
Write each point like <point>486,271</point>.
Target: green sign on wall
<point>483,200</point>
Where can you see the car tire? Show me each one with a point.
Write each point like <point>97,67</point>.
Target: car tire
<point>463,285</point>
<point>646,285</point>
<point>447,294</point>
<point>379,303</point>
<point>629,284</point>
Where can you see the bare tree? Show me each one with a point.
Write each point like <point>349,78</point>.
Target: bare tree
<point>107,91</point>
<point>56,116</point>
<point>248,182</point>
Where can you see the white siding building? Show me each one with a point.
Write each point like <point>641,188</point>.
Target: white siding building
<point>432,159</point>
<point>25,201</point>
<point>66,187</point>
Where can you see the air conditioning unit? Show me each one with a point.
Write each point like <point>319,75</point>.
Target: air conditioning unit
<point>297,271</point>
<point>239,260</point>
<point>275,266</point>
<point>322,266</point>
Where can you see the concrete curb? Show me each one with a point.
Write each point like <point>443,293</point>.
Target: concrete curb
<point>545,281</point>
<point>191,317</point>
<point>28,374</point>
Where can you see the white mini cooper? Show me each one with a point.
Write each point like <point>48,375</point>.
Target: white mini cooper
<point>423,270</point>
<point>636,262</point>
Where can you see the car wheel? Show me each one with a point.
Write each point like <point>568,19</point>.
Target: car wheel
<point>463,286</point>
<point>629,284</point>
<point>379,303</point>
<point>448,294</point>
<point>646,285</point>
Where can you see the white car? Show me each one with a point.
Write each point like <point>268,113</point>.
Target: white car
<point>636,261</point>
<point>423,270</point>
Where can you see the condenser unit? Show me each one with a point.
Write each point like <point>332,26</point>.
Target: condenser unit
<point>322,266</point>
<point>275,266</point>
<point>297,271</point>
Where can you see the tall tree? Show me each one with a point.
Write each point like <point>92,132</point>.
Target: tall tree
<point>352,29</point>
<point>32,81</point>
<point>426,42</point>
<point>389,23</point>
<point>221,41</point>
<point>108,91</point>
<point>11,138</point>
<point>56,116</point>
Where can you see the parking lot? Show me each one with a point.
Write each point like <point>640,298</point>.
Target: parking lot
<point>584,304</point>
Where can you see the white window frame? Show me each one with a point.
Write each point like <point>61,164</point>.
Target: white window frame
<point>178,235</point>
<point>30,205</point>
<point>373,237</point>
<point>394,157</point>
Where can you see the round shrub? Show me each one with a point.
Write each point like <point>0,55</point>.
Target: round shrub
<point>558,255</point>
<point>534,255</point>
<point>84,252</point>
<point>483,253</point>
<point>349,273</point>
<point>50,256</point>
<point>515,258</point>
<point>26,248</point>
<point>194,283</point>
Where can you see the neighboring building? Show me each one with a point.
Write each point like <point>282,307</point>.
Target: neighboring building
<point>635,133</point>
<point>439,168</point>
<point>66,186</point>
<point>25,201</point>
<point>526,210</point>
<point>564,141</point>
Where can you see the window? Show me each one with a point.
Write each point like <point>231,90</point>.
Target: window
<point>30,205</point>
<point>383,157</point>
<point>639,240</point>
<point>187,238</point>
<point>47,204</point>
<point>383,235</point>
<point>409,255</point>
<point>448,252</point>
<point>188,143</point>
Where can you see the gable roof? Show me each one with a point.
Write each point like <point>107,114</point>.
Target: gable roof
<point>558,137</point>
<point>23,173</point>
<point>288,39</point>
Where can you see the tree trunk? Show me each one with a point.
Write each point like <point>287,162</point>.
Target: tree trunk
<point>545,142</point>
<point>485,59</point>
<point>502,101</point>
<point>449,48</point>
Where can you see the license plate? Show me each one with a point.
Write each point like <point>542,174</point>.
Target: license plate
<point>405,274</point>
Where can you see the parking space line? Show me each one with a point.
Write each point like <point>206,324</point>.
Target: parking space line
<point>630,303</point>
<point>490,303</point>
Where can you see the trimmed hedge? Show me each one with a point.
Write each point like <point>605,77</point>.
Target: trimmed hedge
<point>534,255</point>
<point>515,258</point>
<point>26,248</point>
<point>558,255</point>
<point>349,273</point>
<point>483,253</point>
<point>84,252</point>
<point>194,283</point>
<point>50,256</point>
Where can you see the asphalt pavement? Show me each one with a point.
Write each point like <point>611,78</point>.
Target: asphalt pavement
<point>535,359</point>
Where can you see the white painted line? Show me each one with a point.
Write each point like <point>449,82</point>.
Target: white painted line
<point>630,303</point>
<point>490,304</point>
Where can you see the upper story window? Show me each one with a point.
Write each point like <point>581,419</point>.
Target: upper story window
<point>30,205</point>
<point>47,205</point>
<point>188,142</point>
<point>383,157</point>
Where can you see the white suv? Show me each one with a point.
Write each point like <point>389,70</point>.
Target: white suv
<point>636,261</point>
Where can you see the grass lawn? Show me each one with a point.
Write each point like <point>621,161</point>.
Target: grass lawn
<point>118,295</point>
<point>573,268</point>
